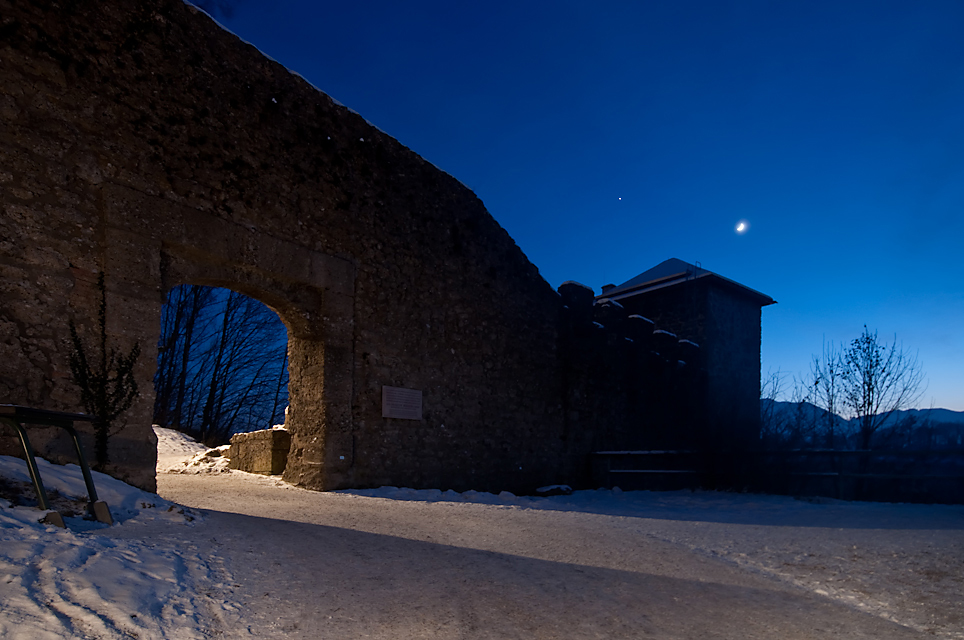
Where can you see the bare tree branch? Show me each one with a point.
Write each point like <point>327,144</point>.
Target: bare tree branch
<point>878,380</point>
<point>222,364</point>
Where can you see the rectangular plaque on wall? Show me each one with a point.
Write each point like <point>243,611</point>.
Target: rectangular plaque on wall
<point>401,403</point>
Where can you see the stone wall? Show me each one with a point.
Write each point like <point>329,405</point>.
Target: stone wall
<point>630,385</point>
<point>727,325</point>
<point>143,141</point>
<point>733,367</point>
<point>265,451</point>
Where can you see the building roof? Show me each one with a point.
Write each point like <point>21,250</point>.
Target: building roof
<point>674,272</point>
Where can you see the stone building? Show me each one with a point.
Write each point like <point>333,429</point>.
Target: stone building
<point>628,384</point>
<point>724,318</point>
<point>143,142</point>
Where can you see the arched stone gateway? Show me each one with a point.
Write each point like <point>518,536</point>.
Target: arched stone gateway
<point>313,294</point>
<point>143,141</point>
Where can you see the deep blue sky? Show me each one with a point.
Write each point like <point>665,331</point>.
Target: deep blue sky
<point>608,136</point>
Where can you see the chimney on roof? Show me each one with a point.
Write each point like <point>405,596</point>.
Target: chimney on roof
<point>607,287</point>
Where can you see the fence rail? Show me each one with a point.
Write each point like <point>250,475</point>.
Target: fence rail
<point>888,476</point>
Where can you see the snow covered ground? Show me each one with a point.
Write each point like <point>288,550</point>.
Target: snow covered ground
<point>253,557</point>
<point>57,583</point>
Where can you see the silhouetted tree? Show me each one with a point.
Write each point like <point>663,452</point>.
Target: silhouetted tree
<point>826,373</point>
<point>876,380</point>
<point>222,364</point>
<point>105,378</point>
<point>771,422</point>
<point>787,424</point>
<point>185,323</point>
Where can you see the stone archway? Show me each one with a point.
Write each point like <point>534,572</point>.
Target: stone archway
<point>222,365</point>
<point>313,295</point>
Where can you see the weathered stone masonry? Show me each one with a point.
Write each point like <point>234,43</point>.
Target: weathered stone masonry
<point>142,141</point>
<point>725,318</point>
<point>629,384</point>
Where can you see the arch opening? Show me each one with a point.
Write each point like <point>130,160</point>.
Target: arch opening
<point>222,364</point>
<point>313,295</point>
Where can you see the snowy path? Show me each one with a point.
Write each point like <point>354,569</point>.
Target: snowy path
<point>94,581</point>
<point>256,558</point>
<point>354,566</point>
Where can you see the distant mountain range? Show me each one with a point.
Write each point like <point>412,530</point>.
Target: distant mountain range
<point>801,424</point>
<point>934,416</point>
<point>810,412</point>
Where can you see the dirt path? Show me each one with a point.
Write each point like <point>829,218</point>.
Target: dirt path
<point>322,565</point>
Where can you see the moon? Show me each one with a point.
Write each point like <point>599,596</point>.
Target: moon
<point>742,226</point>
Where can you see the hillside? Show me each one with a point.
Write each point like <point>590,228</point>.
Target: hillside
<point>937,427</point>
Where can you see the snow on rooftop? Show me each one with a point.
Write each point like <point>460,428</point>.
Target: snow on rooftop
<point>608,301</point>
<point>578,284</point>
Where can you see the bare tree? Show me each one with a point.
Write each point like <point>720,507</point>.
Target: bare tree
<point>771,422</point>
<point>222,364</point>
<point>826,373</point>
<point>105,377</point>
<point>186,323</point>
<point>877,380</point>
<point>242,387</point>
<point>791,423</point>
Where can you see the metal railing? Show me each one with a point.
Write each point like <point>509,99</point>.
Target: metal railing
<point>16,417</point>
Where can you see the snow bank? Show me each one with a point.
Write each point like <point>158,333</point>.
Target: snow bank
<point>178,453</point>
<point>125,501</point>
<point>207,461</point>
<point>75,582</point>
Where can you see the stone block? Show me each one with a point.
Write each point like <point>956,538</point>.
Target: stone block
<point>578,298</point>
<point>689,352</point>
<point>610,314</point>
<point>666,344</point>
<point>264,452</point>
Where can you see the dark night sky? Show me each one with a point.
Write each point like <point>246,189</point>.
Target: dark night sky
<point>609,136</point>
